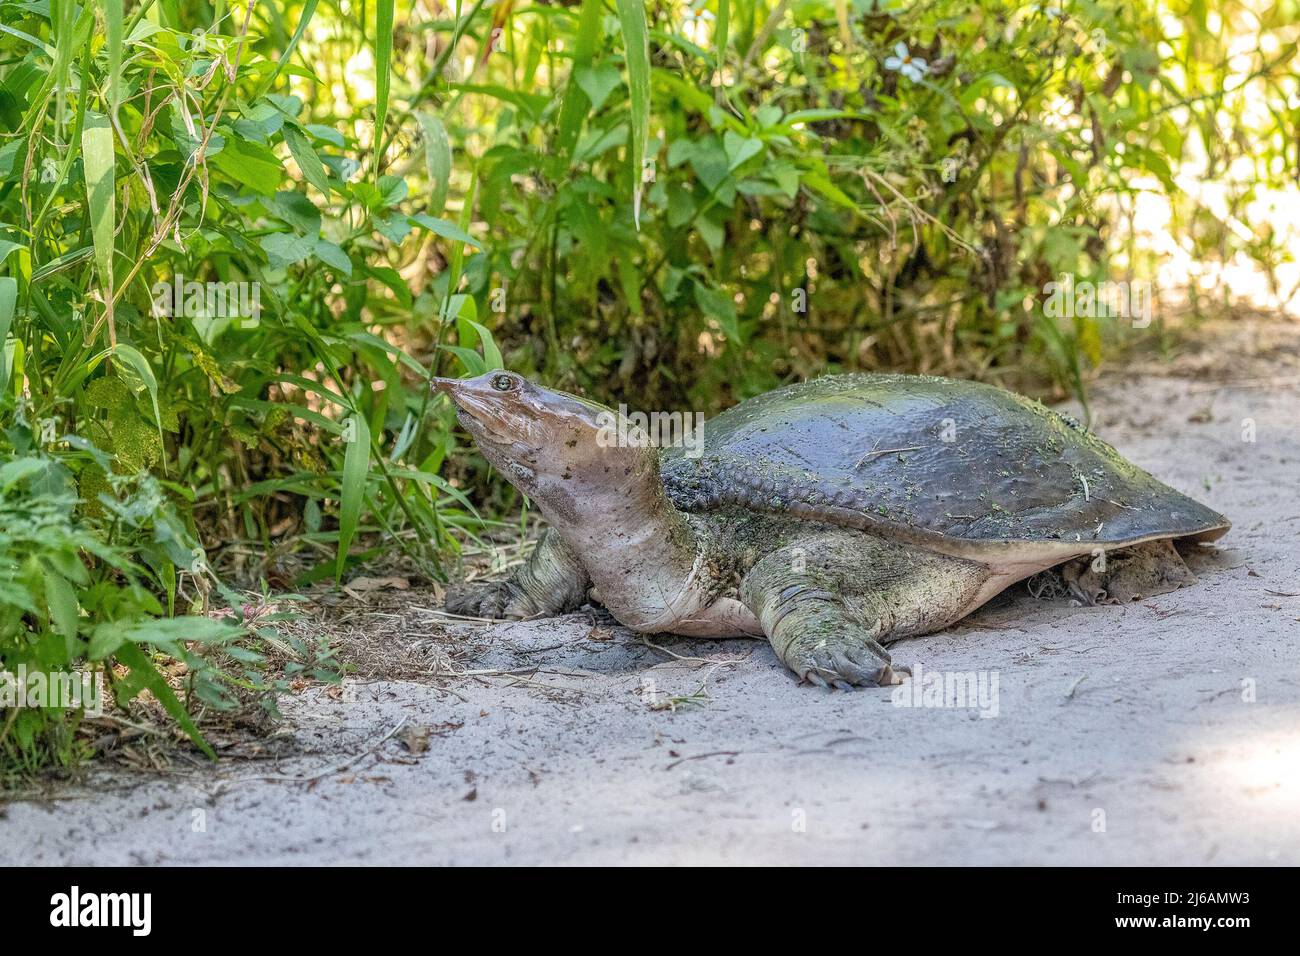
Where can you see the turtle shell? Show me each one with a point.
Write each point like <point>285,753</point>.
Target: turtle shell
<point>931,459</point>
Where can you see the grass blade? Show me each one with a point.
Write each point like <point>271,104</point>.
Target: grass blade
<point>308,11</point>
<point>720,38</point>
<point>383,72</point>
<point>8,299</point>
<point>356,462</point>
<point>97,160</point>
<point>636,41</point>
<point>572,110</point>
<point>113,43</point>
<point>40,45</point>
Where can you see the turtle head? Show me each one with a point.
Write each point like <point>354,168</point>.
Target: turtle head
<point>552,446</point>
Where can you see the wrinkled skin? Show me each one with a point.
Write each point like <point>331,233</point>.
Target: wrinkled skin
<point>693,551</point>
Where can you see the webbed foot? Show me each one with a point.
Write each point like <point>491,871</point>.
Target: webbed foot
<point>816,636</point>
<point>844,665</point>
<point>830,604</point>
<point>495,600</point>
<point>551,581</point>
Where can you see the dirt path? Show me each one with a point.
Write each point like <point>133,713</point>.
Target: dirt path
<point>1162,732</point>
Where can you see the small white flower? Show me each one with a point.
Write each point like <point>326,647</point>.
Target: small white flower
<point>696,24</point>
<point>699,16</point>
<point>912,67</point>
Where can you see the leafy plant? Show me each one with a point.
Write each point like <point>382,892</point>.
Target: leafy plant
<point>72,599</point>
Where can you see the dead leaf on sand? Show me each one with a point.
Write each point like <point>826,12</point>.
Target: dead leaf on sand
<point>364,585</point>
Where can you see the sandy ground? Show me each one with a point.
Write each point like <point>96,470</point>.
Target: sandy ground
<point>1164,732</point>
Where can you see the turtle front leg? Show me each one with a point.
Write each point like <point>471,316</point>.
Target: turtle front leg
<point>830,603</point>
<point>552,581</point>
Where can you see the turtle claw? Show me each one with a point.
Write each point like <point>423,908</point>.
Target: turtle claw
<point>499,600</point>
<point>841,666</point>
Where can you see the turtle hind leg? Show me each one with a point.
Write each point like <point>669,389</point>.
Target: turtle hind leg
<point>552,581</point>
<point>1127,574</point>
<point>830,603</point>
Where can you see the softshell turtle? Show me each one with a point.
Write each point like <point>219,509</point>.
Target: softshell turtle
<point>833,516</point>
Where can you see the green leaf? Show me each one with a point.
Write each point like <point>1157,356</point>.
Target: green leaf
<point>718,306</point>
<point>473,362</point>
<point>636,41</point>
<point>284,249</point>
<point>441,227</point>
<point>598,142</point>
<point>187,142</point>
<point>144,672</point>
<point>61,603</point>
<point>396,284</point>
<point>300,148</point>
<point>713,233</point>
<point>531,104</point>
<point>326,133</point>
<point>738,149</point>
<point>15,471</point>
<point>107,637</point>
<point>356,461</point>
<point>392,190</point>
<point>251,165</point>
<point>711,164</point>
<point>334,257</point>
<point>394,228</point>
<point>259,122</point>
<point>597,82</point>
<point>491,353</point>
<point>787,177</point>
<point>298,211</point>
<point>437,160</point>
<point>97,160</point>
<point>136,372</point>
<point>823,186</point>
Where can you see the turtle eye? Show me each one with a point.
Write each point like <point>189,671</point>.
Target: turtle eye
<point>503,383</point>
